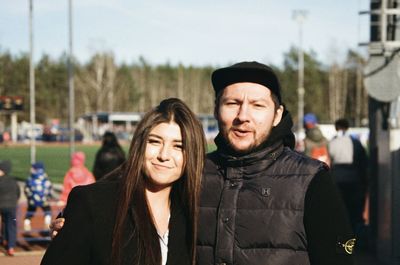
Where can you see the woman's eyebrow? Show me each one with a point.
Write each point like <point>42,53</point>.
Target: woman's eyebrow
<point>161,138</point>
<point>155,135</point>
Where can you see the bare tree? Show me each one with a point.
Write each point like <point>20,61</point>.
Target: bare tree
<point>96,83</point>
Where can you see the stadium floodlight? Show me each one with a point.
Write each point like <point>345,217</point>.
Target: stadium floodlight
<point>32,85</point>
<point>71,84</point>
<point>300,16</point>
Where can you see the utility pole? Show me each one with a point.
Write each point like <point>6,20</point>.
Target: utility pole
<point>71,84</point>
<point>32,85</point>
<point>300,16</point>
<point>381,80</point>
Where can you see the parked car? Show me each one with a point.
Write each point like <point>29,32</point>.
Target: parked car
<point>62,135</point>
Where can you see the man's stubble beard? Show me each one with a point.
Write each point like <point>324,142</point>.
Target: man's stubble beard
<point>250,148</point>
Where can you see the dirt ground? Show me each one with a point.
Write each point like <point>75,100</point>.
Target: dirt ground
<point>30,245</point>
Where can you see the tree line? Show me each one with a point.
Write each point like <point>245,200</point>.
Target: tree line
<point>331,91</point>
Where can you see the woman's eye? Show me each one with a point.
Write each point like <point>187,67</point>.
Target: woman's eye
<point>179,146</point>
<point>153,141</point>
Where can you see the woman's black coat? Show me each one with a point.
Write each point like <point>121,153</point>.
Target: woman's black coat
<point>87,235</point>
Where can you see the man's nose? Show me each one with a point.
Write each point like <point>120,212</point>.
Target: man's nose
<point>243,112</point>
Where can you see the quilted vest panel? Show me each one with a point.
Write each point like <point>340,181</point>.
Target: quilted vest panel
<point>253,213</point>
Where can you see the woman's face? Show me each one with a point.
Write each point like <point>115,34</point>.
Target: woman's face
<point>164,155</point>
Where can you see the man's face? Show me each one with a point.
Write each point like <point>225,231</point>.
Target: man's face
<point>246,114</point>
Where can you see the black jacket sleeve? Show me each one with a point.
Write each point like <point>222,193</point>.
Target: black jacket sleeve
<point>328,230</point>
<point>72,244</point>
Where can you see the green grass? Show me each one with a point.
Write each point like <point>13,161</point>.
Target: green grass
<point>54,156</point>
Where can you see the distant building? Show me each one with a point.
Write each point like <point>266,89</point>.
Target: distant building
<point>123,124</point>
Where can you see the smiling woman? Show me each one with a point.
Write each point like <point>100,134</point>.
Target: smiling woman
<point>148,214</point>
<point>164,157</point>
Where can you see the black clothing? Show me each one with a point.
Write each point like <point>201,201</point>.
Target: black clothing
<point>9,189</point>
<point>272,206</point>
<point>30,211</point>
<point>351,179</point>
<point>326,222</point>
<point>87,234</point>
<point>107,159</point>
<point>9,221</point>
<point>5,166</point>
<point>9,195</point>
<point>253,72</point>
<point>356,170</point>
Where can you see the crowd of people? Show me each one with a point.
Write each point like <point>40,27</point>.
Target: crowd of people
<point>254,200</point>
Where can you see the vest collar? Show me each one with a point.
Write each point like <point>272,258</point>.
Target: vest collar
<point>260,159</point>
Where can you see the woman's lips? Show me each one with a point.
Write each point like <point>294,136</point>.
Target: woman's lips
<point>160,167</point>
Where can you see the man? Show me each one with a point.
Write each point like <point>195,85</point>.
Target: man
<point>261,202</point>
<point>349,168</point>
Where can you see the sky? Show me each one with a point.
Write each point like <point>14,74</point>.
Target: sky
<point>190,32</point>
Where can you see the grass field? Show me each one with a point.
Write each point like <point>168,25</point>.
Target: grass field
<point>54,156</point>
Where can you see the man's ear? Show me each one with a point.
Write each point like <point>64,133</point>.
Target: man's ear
<point>278,116</point>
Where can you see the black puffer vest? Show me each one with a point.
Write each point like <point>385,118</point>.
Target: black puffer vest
<point>252,208</point>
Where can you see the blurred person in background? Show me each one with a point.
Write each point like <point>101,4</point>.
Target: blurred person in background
<point>109,157</point>
<point>349,168</point>
<point>9,195</point>
<point>315,144</point>
<point>38,192</point>
<point>78,174</point>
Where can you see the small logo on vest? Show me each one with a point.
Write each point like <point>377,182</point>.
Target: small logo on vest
<point>266,192</point>
<point>348,246</point>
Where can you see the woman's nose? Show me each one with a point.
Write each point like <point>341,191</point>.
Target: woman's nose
<point>163,153</point>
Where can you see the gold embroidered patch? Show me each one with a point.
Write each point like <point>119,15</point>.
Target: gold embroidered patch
<point>349,246</point>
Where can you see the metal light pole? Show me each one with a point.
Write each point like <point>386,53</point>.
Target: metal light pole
<point>71,84</point>
<point>300,16</point>
<point>32,84</point>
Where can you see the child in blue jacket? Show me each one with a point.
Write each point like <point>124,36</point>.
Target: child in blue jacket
<point>38,192</point>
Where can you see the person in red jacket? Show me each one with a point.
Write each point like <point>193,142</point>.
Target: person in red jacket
<point>77,175</point>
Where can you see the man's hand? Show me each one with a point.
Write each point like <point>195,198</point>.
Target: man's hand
<point>56,226</point>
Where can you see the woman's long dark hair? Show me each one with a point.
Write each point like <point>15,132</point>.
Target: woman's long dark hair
<point>132,189</point>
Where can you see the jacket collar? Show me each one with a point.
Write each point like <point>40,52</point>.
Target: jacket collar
<point>268,153</point>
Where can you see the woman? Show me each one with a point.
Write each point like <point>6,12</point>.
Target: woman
<point>149,215</point>
<point>109,157</point>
